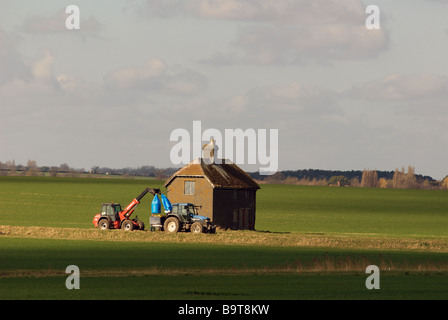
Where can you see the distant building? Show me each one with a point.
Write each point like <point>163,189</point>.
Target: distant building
<point>225,192</point>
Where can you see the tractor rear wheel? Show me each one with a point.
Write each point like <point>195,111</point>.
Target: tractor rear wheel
<point>171,225</point>
<point>197,227</point>
<point>127,225</point>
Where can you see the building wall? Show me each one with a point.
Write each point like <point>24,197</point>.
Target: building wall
<point>203,195</point>
<point>227,208</point>
<point>234,209</point>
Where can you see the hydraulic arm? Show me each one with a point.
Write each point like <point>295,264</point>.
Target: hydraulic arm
<point>126,213</point>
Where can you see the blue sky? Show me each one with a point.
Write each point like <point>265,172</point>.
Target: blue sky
<point>342,97</point>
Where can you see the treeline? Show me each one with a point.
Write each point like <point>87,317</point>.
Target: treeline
<point>64,170</point>
<point>355,178</point>
<point>143,171</point>
<point>399,178</point>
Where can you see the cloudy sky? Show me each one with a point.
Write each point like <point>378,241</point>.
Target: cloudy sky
<point>341,96</point>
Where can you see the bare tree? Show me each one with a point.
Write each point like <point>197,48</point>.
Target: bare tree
<point>54,171</point>
<point>369,179</point>
<point>31,168</point>
<point>445,182</point>
<point>405,180</point>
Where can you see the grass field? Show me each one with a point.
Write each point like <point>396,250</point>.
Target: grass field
<point>310,243</point>
<point>205,271</point>
<point>330,210</point>
<point>72,202</point>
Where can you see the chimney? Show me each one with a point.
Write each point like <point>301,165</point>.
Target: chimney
<point>209,151</point>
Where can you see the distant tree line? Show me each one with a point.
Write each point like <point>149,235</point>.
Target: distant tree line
<point>398,178</point>
<point>64,170</point>
<point>143,171</point>
<point>354,178</point>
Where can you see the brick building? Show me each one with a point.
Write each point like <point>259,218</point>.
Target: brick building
<point>226,194</point>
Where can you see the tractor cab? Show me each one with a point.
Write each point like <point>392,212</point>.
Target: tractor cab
<point>111,210</point>
<point>186,210</point>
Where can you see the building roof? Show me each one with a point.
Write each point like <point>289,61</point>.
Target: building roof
<point>220,176</point>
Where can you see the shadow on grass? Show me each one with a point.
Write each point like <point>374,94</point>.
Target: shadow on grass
<point>273,232</point>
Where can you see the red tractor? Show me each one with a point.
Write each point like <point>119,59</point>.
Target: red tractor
<point>113,217</point>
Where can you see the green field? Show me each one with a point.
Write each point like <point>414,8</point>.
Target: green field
<point>310,243</point>
<point>71,202</point>
<point>330,210</point>
<point>203,271</point>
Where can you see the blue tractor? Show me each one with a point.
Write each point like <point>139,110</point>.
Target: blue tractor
<point>178,217</point>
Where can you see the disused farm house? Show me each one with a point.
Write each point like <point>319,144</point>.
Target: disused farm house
<point>225,193</point>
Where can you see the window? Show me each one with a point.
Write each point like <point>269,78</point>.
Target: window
<point>110,210</point>
<point>189,187</point>
<point>117,209</point>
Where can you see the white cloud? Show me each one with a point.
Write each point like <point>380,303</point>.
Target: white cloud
<point>294,98</point>
<point>284,31</point>
<point>276,11</point>
<point>137,76</point>
<point>68,83</point>
<point>185,83</point>
<point>42,69</point>
<point>11,65</point>
<point>284,11</point>
<point>155,76</point>
<point>265,104</point>
<point>38,80</point>
<point>403,87</point>
<point>267,45</point>
<point>17,78</point>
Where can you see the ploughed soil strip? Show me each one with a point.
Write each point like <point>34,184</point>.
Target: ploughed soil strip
<point>258,238</point>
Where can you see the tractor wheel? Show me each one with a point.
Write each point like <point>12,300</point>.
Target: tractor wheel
<point>196,227</point>
<point>171,225</point>
<point>127,225</point>
<point>103,224</point>
<point>141,225</point>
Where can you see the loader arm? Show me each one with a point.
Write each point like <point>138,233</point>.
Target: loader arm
<point>127,212</point>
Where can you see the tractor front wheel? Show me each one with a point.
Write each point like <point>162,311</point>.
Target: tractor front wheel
<point>197,227</point>
<point>171,225</point>
<point>127,225</point>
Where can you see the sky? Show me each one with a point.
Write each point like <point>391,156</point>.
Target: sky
<point>342,96</point>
